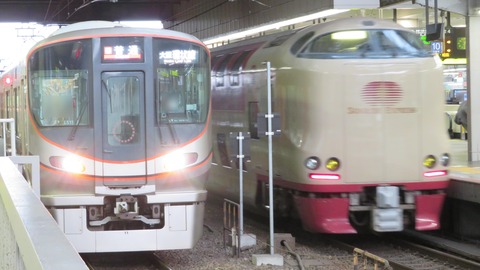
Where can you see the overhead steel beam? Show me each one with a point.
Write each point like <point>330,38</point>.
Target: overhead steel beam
<point>68,11</point>
<point>455,6</point>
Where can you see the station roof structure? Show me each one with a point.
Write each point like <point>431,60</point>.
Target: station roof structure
<point>70,11</point>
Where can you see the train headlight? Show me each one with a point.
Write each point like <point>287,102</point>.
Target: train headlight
<point>69,163</point>
<point>429,161</point>
<point>312,163</point>
<point>445,159</point>
<point>332,164</point>
<point>176,160</point>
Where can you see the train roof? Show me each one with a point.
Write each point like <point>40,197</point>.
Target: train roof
<point>355,24</point>
<point>343,24</point>
<point>104,28</point>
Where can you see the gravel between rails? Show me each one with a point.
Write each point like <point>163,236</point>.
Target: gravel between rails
<point>210,254</point>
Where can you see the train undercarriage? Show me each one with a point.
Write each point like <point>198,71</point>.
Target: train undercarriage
<point>377,208</point>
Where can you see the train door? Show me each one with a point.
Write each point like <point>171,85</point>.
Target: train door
<point>123,128</point>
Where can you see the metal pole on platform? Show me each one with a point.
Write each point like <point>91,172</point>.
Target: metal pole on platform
<point>240,160</point>
<point>270,159</point>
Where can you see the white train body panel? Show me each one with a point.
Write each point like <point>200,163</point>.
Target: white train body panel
<point>380,116</point>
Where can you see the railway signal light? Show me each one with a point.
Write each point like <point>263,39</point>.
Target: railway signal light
<point>447,46</point>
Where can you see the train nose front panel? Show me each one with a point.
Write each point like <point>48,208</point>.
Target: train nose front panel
<point>381,122</point>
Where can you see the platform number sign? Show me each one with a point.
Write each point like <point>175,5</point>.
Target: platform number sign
<point>436,47</point>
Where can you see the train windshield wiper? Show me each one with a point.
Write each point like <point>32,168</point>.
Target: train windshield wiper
<point>109,94</point>
<point>71,136</point>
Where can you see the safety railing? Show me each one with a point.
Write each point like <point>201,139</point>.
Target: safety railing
<point>30,238</point>
<point>231,224</point>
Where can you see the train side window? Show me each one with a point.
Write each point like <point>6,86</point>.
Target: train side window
<point>7,101</point>
<point>220,71</point>
<point>215,61</point>
<point>252,119</point>
<point>222,149</point>
<point>16,105</point>
<point>237,68</point>
<point>214,157</point>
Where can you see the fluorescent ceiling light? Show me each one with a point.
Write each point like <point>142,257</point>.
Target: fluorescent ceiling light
<point>264,28</point>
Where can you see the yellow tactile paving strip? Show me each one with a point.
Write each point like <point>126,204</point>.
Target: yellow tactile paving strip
<point>471,174</point>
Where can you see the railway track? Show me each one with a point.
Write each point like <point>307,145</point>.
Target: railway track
<point>401,254</point>
<point>125,261</point>
<point>310,251</point>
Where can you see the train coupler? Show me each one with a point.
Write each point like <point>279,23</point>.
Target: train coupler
<point>126,207</point>
<point>387,216</point>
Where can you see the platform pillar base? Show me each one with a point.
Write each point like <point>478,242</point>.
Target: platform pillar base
<point>247,241</point>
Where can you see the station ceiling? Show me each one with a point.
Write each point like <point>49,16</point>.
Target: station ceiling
<point>70,11</point>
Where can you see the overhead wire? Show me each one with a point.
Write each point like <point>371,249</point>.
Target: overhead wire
<point>48,9</point>
<point>60,9</point>
<point>86,4</point>
<point>183,11</point>
<point>199,14</point>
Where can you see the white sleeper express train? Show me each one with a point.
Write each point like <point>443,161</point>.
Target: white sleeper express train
<point>363,143</point>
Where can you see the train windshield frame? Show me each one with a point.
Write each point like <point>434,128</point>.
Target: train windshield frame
<point>182,76</point>
<point>58,77</point>
<point>372,43</point>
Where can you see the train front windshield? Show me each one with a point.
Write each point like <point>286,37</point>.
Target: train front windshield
<point>58,84</point>
<point>182,76</point>
<point>61,87</point>
<point>379,43</point>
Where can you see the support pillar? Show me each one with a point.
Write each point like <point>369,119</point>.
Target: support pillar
<point>473,67</point>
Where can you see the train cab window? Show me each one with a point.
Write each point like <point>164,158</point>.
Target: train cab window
<point>182,82</point>
<point>300,42</point>
<point>338,42</point>
<point>279,40</point>
<point>58,92</point>
<point>376,43</point>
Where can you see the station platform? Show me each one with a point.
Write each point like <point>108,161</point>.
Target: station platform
<point>465,176</point>
<point>461,214</point>
<point>30,238</point>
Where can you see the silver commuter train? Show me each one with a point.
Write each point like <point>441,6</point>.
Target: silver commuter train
<point>363,143</point>
<point>120,118</point>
